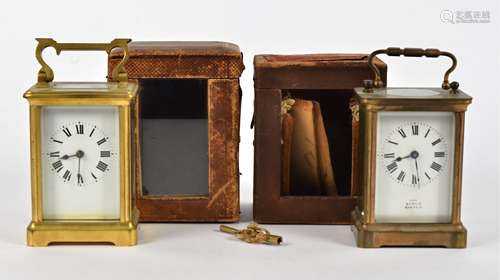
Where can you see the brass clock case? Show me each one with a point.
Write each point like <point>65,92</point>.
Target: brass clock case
<point>119,93</point>
<point>374,98</point>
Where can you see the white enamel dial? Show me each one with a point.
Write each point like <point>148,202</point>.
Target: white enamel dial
<point>414,167</point>
<point>414,154</point>
<point>80,153</point>
<point>80,162</point>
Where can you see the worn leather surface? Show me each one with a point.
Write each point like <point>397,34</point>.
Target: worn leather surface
<point>221,65</point>
<point>201,60</point>
<point>320,75</point>
<point>176,48</point>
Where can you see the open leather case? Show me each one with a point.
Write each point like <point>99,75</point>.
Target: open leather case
<point>306,136</point>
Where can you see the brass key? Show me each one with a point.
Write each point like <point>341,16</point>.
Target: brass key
<point>253,234</point>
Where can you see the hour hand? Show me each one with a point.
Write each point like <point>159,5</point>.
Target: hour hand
<point>401,158</point>
<point>78,154</point>
<point>67,156</point>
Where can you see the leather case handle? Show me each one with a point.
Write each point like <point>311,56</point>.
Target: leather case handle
<point>46,74</point>
<point>412,52</point>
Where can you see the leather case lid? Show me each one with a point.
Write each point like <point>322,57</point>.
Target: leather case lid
<point>314,60</point>
<point>190,59</point>
<point>178,48</point>
<point>314,71</point>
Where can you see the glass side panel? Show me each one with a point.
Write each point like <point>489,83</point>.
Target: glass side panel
<point>174,137</point>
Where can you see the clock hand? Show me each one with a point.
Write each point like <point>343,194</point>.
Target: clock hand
<point>401,158</point>
<point>79,175</point>
<point>413,154</point>
<point>78,154</point>
<point>67,156</point>
<point>418,176</point>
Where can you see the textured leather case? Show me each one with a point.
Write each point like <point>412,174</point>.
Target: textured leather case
<point>216,66</point>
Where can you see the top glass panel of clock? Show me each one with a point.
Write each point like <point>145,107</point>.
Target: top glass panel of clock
<point>412,93</point>
<point>414,167</point>
<point>80,162</point>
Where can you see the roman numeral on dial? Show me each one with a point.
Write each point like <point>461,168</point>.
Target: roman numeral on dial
<point>390,155</point>
<point>66,131</point>
<point>100,142</point>
<point>392,167</point>
<point>54,154</point>
<point>392,142</point>
<point>92,132</point>
<point>414,179</point>
<point>57,165</point>
<point>105,153</point>
<point>402,133</point>
<point>438,154</point>
<point>57,141</point>
<point>401,176</point>
<point>437,141</point>
<point>102,166</point>
<point>67,175</point>
<point>427,133</point>
<point>79,128</point>
<point>414,129</point>
<point>436,166</point>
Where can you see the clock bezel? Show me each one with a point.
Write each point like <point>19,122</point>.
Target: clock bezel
<point>372,234</point>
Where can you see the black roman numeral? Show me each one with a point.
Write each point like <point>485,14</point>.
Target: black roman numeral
<point>437,141</point>
<point>414,179</point>
<point>401,176</point>
<point>102,166</point>
<point>427,133</point>
<point>392,167</point>
<point>105,153</point>
<point>427,175</point>
<point>93,175</point>
<point>101,141</point>
<point>92,132</point>
<point>67,175</point>
<point>390,155</point>
<point>414,129</point>
<point>54,154</point>
<point>79,128</point>
<point>438,154</point>
<point>402,132</point>
<point>394,143</point>
<point>436,166</point>
<point>66,131</point>
<point>57,141</point>
<point>57,165</point>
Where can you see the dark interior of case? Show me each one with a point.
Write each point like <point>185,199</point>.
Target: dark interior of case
<point>174,137</point>
<point>337,119</point>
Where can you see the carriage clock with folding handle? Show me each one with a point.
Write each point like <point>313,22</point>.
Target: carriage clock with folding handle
<point>411,151</point>
<point>81,160</point>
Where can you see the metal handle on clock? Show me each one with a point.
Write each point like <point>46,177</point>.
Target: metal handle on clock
<point>413,52</point>
<point>46,74</point>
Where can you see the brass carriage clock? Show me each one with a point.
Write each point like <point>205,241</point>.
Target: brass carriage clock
<point>411,161</point>
<point>81,158</point>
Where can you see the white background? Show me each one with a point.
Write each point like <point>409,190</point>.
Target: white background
<point>198,251</point>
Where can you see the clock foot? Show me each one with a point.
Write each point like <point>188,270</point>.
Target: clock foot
<point>407,235</point>
<point>117,233</point>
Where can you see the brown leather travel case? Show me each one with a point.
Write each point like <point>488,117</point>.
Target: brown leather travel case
<point>188,129</point>
<point>326,80</point>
